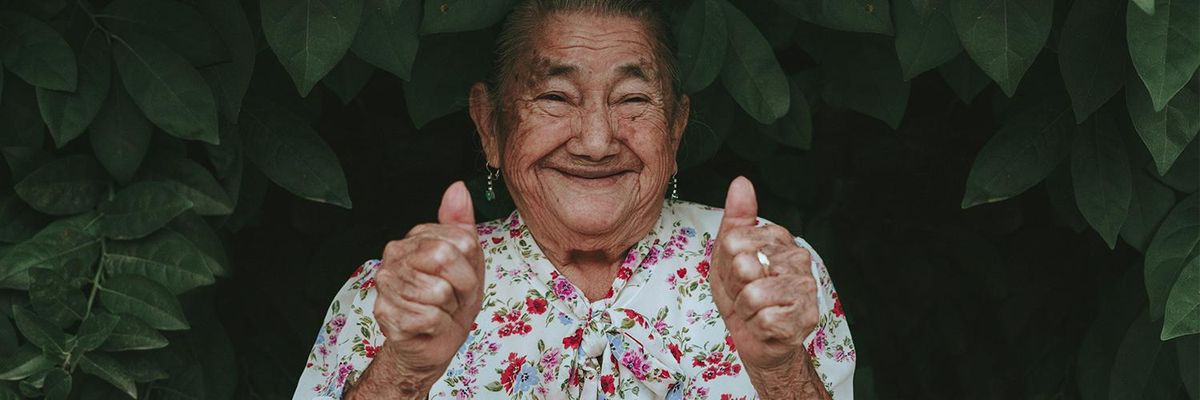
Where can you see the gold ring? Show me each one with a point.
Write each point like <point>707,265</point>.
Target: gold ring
<point>762,259</point>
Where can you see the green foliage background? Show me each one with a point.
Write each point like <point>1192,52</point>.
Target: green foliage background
<point>1004,190</point>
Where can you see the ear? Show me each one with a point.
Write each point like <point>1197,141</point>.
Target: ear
<point>682,109</point>
<point>482,113</point>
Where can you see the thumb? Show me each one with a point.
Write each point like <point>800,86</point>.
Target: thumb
<point>741,205</point>
<point>456,208</point>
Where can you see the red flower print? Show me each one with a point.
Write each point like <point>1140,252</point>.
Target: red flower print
<point>703,269</point>
<point>370,283</point>
<point>681,272</point>
<point>497,240</point>
<point>606,384</point>
<point>662,373</point>
<point>609,294</point>
<point>357,272</point>
<point>624,273</point>
<point>535,305</point>
<point>572,342</point>
<point>837,306</point>
<point>510,372</point>
<point>675,351</point>
<point>729,342</point>
<point>370,350</point>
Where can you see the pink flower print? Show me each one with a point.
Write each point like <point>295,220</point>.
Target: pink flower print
<point>564,289</point>
<point>636,363</point>
<point>550,359</point>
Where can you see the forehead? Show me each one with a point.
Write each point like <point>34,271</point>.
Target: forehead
<point>592,44</point>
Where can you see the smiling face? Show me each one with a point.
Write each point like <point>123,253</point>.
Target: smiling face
<point>588,131</point>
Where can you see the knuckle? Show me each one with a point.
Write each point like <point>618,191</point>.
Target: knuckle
<point>393,250</point>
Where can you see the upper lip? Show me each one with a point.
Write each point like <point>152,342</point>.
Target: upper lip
<point>591,173</point>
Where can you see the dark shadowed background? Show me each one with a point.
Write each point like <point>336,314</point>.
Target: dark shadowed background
<point>1003,190</point>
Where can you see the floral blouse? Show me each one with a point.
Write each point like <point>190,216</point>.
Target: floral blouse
<point>657,334</point>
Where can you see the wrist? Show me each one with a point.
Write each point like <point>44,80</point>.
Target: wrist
<point>390,376</point>
<point>793,379</point>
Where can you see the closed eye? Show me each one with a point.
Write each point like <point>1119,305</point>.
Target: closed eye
<point>553,97</point>
<point>635,99</point>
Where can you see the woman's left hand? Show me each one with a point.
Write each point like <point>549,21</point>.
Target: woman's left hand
<point>768,309</point>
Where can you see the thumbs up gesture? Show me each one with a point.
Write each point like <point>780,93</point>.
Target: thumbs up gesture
<point>430,288</point>
<point>768,309</point>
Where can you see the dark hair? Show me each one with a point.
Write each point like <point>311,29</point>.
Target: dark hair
<point>528,16</point>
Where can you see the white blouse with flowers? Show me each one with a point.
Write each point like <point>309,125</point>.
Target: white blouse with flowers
<point>657,335</point>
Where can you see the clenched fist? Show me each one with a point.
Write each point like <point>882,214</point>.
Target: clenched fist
<point>429,288</point>
<point>768,309</point>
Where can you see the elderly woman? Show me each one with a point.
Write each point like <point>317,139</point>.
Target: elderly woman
<point>595,287</point>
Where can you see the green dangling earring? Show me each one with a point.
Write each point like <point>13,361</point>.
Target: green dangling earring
<point>490,193</point>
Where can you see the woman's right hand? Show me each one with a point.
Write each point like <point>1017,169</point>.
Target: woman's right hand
<point>429,288</point>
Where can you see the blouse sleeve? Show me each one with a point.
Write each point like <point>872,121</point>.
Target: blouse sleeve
<point>829,345</point>
<point>347,340</point>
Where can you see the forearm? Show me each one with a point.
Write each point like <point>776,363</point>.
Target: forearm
<point>793,380</point>
<point>386,378</point>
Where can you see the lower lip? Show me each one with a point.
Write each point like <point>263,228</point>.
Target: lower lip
<point>594,182</point>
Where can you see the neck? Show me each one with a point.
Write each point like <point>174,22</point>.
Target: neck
<point>590,263</point>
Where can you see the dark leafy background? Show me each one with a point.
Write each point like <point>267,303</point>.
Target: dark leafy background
<point>1004,190</point>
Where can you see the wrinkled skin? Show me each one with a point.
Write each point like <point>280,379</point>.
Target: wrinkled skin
<point>586,142</point>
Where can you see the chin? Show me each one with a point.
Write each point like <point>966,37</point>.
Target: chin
<point>593,216</point>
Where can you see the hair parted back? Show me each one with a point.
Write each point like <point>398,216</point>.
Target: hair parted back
<point>528,17</point>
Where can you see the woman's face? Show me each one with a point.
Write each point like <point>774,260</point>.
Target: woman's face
<point>586,142</point>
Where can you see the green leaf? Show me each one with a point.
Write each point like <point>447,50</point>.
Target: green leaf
<point>1148,207</point>
<point>20,125</point>
<point>33,51</point>
<point>751,73</point>
<point>24,160</point>
<point>230,80</point>
<point>191,180</point>
<point>1176,240</point>
<point>198,232</point>
<point>1136,372</point>
<point>1092,54</point>
<point>795,128</point>
<point>348,78</point>
<point>18,222</point>
<point>289,152</point>
<point>68,185</point>
<point>96,330</point>
<point>179,26</point>
<point>105,367</point>
<point>1062,198</point>
<point>166,257</point>
<point>445,16</point>
<point>389,35</point>
<point>145,299</point>
<point>290,27</point>
<point>1003,36</point>
<point>39,331</point>
<point>862,74</point>
<point>702,39</point>
<point>1183,305</point>
<point>26,362</point>
<point>61,243</point>
<point>1165,46</point>
<point>141,209</point>
<point>1184,175</point>
<point>1025,150</point>
<point>167,88</point>
<point>120,135</point>
<point>446,67</point>
<point>925,39</point>
<point>67,113</point>
<point>1100,172</point>
<point>54,297</point>
<point>132,334</point>
<point>1189,367</point>
<point>1166,132</point>
<point>870,16</point>
<point>57,384</point>
<point>711,117</point>
<point>1147,6</point>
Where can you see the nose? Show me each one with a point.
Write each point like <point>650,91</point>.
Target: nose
<point>595,137</point>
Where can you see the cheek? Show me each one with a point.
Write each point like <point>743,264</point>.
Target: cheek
<point>646,134</point>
